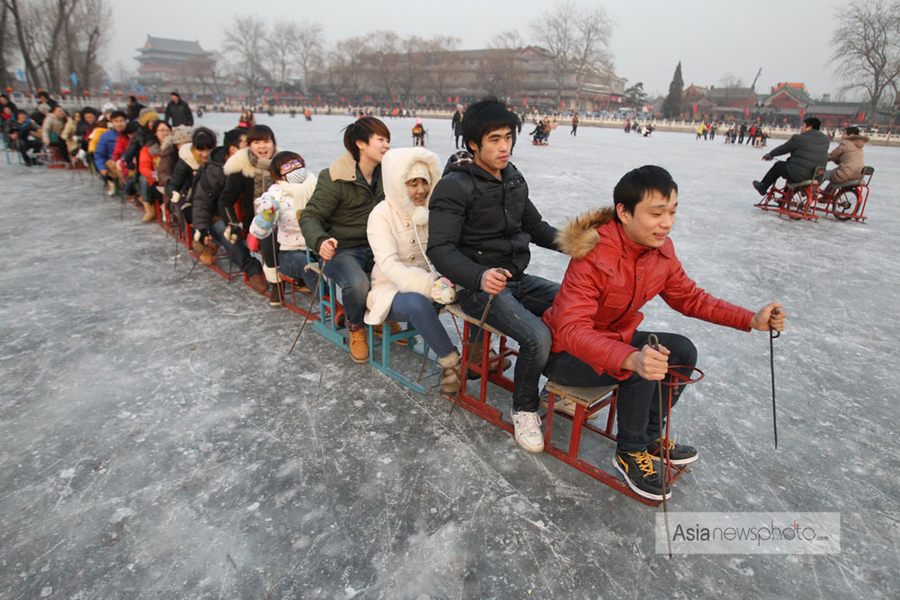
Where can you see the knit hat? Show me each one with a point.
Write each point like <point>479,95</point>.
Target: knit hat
<point>181,134</point>
<point>147,115</point>
<point>44,108</point>
<point>108,107</point>
<point>418,170</point>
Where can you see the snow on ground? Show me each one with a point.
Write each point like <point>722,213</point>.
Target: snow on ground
<point>155,439</point>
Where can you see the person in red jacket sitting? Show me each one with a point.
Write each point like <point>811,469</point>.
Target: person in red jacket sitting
<point>622,258</point>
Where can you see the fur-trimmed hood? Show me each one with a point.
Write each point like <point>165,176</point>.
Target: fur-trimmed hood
<point>394,168</point>
<point>240,163</point>
<point>579,236</point>
<point>186,153</point>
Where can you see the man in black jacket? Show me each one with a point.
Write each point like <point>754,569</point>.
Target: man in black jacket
<point>479,229</point>
<point>209,223</point>
<point>808,150</point>
<point>178,112</point>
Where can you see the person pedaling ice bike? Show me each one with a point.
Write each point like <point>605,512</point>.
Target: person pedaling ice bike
<point>621,258</point>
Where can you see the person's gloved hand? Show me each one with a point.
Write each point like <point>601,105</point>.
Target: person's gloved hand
<point>443,291</point>
<point>202,236</point>
<point>176,198</point>
<point>233,232</point>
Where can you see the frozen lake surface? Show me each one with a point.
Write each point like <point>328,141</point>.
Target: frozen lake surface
<point>156,441</point>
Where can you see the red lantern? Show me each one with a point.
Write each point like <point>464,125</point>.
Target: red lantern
<point>65,92</point>
<point>106,93</point>
<point>120,94</point>
<point>9,90</point>
<point>87,92</point>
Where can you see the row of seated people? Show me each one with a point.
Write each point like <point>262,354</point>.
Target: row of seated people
<point>399,236</point>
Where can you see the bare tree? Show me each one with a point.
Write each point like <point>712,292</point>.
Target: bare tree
<point>245,45</point>
<point>412,66</point>
<point>440,71</point>
<point>278,52</point>
<point>501,74</point>
<point>383,62</point>
<point>306,43</point>
<point>345,66</point>
<point>867,48</point>
<point>729,81</point>
<point>5,45</point>
<point>24,35</point>
<point>87,33</point>
<point>576,39</point>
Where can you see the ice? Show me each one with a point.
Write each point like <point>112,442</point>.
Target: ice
<point>130,475</point>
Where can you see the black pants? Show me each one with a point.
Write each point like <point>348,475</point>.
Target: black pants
<point>29,144</point>
<point>779,169</point>
<point>638,417</point>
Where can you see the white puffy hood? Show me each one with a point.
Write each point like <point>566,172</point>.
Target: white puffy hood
<point>395,166</point>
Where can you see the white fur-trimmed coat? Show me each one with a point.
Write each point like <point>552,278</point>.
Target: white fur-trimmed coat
<point>397,242</point>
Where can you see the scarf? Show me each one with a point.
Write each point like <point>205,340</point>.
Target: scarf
<point>261,177</point>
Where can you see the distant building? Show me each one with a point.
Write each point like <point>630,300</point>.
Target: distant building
<point>835,115</point>
<point>175,64</point>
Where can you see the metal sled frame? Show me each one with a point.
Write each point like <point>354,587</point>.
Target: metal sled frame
<point>795,200</point>
<point>847,200</point>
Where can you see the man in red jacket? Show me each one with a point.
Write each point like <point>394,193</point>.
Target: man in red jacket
<point>622,258</point>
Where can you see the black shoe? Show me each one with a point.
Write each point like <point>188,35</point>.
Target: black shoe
<point>640,474</point>
<point>679,454</point>
<point>759,188</point>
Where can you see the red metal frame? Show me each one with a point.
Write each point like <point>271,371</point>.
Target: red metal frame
<point>580,422</point>
<point>794,201</point>
<point>827,198</point>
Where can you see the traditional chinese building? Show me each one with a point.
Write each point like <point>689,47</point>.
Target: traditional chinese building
<point>174,64</point>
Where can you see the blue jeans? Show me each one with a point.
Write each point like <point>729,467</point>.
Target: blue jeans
<point>638,414</point>
<point>349,270</point>
<point>517,311</point>
<point>420,311</point>
<point>239,252</point>
<point>292,263</point>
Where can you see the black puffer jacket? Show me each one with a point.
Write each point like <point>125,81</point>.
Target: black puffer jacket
<point>477,222</point>
<point>210,183</point>
<point>136,144</point>
<point>808,150</point>
<point>179,114</point>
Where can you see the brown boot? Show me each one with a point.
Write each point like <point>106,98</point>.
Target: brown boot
<point>276,294</point>
<point>257,283</point>
<point>450,382</point>
<point>395,329</point>
<point>475,350</point>
<point>149,212</point>
<point>359,346</point>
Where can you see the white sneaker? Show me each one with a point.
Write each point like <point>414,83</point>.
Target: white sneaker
<point>110,188</point>
<point>528,431</point>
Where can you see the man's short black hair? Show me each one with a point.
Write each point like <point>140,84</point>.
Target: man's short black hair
<point>232,138</point>
<point>176,94</point>
<point>132,98</point>
<point>116,114</point>
<point>637,183</point>
<point>362,130</point>
<point>484,117</point>
<point>813,122</point>
<point>43,94</point>
<point>203,139</point>
<point>852,131</point>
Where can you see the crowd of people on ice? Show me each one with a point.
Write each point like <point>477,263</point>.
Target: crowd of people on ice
<point>401,233</point>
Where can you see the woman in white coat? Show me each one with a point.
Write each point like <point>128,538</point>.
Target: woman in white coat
<point>405,285</point>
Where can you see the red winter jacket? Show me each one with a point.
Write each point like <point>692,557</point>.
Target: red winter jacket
<point>608,280</point>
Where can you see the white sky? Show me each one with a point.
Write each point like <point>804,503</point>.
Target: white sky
<point>788,39</point>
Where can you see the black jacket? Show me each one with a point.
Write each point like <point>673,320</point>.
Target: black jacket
<point>179,114</point>
<point>136,144</point>
<point>210,183</point>
<point>238,189</point>
<point>477,222</point>
<point>808,150</point>
<point>134,110</point>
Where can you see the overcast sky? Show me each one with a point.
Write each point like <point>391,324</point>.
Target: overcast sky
<point>788,39</point>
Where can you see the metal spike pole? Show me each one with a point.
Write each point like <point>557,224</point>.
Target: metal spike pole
<point>772,336</point>
<point>663,447</point>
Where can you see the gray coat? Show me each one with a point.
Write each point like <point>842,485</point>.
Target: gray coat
<point>808,150</point>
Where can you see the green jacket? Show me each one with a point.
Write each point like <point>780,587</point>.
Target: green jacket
<point>339,207</point>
